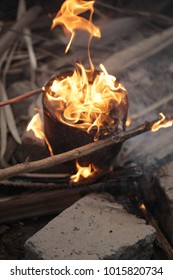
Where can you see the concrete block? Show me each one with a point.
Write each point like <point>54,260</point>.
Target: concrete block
<point>95,227</point>
<point>164,204</point>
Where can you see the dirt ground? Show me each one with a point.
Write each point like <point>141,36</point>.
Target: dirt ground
<point>14,235</point>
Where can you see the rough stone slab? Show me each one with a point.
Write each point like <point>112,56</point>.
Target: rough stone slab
<point>95,227</point>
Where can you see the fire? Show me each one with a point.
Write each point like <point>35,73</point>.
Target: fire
<point>85,99</point>
<point>78,102</point>
<point>142,207</point>
<point>162,123</point>
<point>84,172</point>
<point>36,125</point>
<point>69,18</point>
<point>128,121</point>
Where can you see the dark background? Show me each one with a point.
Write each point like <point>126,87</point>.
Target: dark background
<point>8,8</point>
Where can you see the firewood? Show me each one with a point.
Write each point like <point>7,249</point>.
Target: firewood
<point>75,153</point>
<point>121,60</point>
<point>15,31</point>
<point>163,242</point>
<point>21,97</point>
<point>43,198</point>
<point>157,18</point>
<point>153,107</point>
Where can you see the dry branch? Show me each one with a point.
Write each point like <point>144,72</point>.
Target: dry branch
<point>73,154</point>
<point>163,242</point>
<point>152,107</point>
<point>158,18</point>
<point>21,97</point>
<point>121,60</point>
<point>45,198</point>
<point>15,31</point>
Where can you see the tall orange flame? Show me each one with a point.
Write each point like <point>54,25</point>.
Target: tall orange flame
<point>85,99</point>
<point>162,123</point>
<point>68,17</point>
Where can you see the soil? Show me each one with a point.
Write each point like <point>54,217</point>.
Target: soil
<point>14,235</point>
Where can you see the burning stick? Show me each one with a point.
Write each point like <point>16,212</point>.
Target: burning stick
<point>167,248</point>
<point>78,152</point>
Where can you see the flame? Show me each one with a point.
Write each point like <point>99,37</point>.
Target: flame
<point>78,102</point>
<point>162,123</point>
<point>142,207</point>
<point>84,172</point>
<point>85,99</point>
<point>36,125</point>
<point>128,121</point>
<point>69,18</point>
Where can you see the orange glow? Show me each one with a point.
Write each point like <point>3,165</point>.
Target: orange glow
<point>36,125</point>
<point>162,123</point>
<point>84,172</point>
<point>142,207</point>
<point>77,102</point>
<point>128,121</point>
<point>69,18</point>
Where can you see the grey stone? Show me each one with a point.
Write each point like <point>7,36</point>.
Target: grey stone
<point>164,205</point>
<point>95,227</point>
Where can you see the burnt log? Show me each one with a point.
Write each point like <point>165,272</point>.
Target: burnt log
<point>63,137</point>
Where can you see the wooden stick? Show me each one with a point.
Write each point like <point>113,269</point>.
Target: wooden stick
<point>15,31</point>
<point>73,154</point>
<point>152,107</point>
<point>50,198</point>
<point>154,17</point>
<point>121,60</point>
<point>21,97</point>
<point>165,245</point>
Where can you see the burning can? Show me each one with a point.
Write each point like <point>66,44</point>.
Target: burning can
<point>81,107</point>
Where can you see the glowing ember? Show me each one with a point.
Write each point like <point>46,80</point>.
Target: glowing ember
<point>142,207</point>
<point>162,123</point>
<point>84,172</point>
<point>36,125</point>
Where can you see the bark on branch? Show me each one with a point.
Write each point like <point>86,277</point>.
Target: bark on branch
<point>73,154</point>
<point>165,245</point>
<point>139,51</point>
<point>21,97</point>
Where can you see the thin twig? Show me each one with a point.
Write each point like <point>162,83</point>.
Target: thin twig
<point>157,17</point>
<point>121,60</point>
<point>28,39</point>
<point>21,97</point>
<point>165,245</point>
<point>75,153</point>
<point>152,107</point>
<point>9,118</point>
